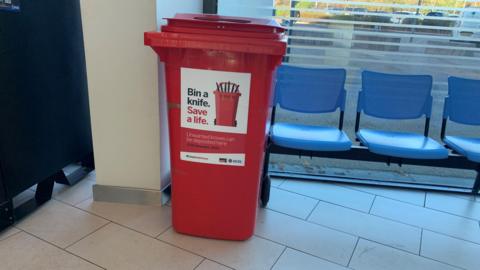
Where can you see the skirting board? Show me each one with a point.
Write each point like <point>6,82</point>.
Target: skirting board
<point>114,194</point>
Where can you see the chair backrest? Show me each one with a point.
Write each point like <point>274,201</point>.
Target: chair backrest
<point>392,96</point>
<point>463,102</point>
<point>310,90</point>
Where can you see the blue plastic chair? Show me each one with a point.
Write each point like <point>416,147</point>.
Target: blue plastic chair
<point>396,97</point>
<point>462,106</point>
<point>310,90</point>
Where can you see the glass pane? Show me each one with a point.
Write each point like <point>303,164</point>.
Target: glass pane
<point>434,37</point>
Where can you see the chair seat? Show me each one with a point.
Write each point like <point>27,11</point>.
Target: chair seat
<point>312,138</point>
<point>468,147</point>
<point>402,145</point>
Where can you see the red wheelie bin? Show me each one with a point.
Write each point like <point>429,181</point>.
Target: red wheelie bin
<point>219,79</point>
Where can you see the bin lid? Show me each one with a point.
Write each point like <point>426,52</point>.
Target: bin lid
<point>205,31</point>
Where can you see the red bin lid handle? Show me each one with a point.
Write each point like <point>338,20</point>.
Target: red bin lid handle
<point>220,19</point>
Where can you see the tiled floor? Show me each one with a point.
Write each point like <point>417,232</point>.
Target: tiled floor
<point>308,225</point>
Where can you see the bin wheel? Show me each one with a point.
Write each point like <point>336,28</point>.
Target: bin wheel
<point>215,122</point>
<point>265,192</point>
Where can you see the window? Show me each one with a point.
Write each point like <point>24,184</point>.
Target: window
<point>435,37</point>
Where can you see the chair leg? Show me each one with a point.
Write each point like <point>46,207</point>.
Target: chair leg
<point>266,160</point>
<point>265,180</point>
<point>476,185</point>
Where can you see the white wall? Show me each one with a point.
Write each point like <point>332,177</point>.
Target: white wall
<point>245,8</point>
<point>167,9</point>
<point>122,80</point>
<point>129,145</point>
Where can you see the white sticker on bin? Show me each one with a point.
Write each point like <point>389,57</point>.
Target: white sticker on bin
<point>214,116</point>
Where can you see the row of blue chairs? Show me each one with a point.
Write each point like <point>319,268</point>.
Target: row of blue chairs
<point>386,96</point>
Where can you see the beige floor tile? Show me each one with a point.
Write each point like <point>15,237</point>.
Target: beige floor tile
<point>276,182</point>
<point>451,250</point>
<point>372,256</point>
<point>291,203</point>
<point>252,254</point>
<point>209,265</point>
<point>463,228</point>
<point>405,195</point>
<point>331,193</point>
<point>25,252</point>
<point>467,197</point>
<point>148,219</point>
<point>8,232</point>
<point>75,194</point>
<point>292,259</point>
<point>60,224</point>
<point>454,205</point>
<point>374,228</point>
<point>116,247</point>
<point>305,236</point>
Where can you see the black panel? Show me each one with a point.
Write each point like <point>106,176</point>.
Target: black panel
<point>3,195</point>
<point>44,115</point>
